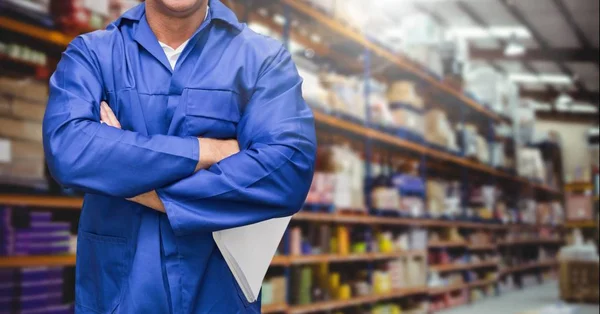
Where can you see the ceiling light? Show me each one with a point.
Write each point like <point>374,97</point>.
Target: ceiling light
<point>541,78</point>
<point>542,106</point>
<point>583,108</point>
<point>514,48</point>
<point>279,19</point>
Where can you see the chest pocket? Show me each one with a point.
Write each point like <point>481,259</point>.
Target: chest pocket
<point>211,113</point>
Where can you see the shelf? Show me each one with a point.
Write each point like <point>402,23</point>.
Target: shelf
<point>443,290</point>
<point>481,283</point>
<point>530,242</point>
<point>37,32</point>
<point>475,284</point>
<point>400,62</point>
<point>446,244</point>
<point>395,141</point>
<point>36,261</point>
<point>579,186</point>
<point>280,260</point>
<point>582,224</point>
<point>333,305</point>
<point>527,267</point>
<point>457,267</point>
<point>57,202</point>
<point>334,258</point>
<point>482,247</point>
<point>274,308</point>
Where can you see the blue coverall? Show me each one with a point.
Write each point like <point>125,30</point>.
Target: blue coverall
<point>228,83</point>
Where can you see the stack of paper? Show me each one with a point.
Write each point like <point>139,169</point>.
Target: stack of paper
<point>248,251</point>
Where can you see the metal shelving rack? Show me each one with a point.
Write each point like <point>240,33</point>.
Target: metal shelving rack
<point>373,55</point>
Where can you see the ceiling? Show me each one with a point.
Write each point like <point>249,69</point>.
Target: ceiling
<point>562,37</point>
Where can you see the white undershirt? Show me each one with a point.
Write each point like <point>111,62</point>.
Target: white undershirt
<point>173,54</point>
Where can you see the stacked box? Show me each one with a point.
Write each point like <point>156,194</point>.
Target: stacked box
<point>22,106</point>
<point>33,290</point>
<point>39,235</point>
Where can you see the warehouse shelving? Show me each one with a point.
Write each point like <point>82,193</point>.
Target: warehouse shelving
<point>581,224</point>
<point>462,266</point>
<point>529,266</point>
<point>530,242</point>
<point>334,305</point>
<point>357,130</point>
<point>75,203</point>
<point>274,308</point>
<point>482,247</point>
<point>446,244</point>
<point>37,261</point>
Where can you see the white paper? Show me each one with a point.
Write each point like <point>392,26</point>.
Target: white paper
<point>5,151</point>
<point>248,251</point>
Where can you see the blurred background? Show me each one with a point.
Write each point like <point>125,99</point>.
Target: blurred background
<point>457,167</point>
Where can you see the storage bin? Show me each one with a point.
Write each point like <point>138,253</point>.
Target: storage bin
<point>579,281</point>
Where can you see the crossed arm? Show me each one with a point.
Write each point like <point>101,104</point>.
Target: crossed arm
<point>269,177</point>
<point>212,151</point>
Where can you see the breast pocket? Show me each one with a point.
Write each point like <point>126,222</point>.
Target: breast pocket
<point>99,272</point>
<point>211,113</point>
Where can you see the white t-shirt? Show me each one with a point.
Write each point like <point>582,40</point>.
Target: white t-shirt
<point>173,54</point>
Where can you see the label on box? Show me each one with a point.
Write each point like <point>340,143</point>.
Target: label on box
<point>5,151</point>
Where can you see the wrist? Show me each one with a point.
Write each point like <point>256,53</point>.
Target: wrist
<point>207,156</point>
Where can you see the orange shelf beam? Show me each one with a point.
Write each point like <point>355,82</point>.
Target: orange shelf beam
<point>274,308</point>
<point>58,202</point>
<point>334,305</point>
<point>457,267</point>
<point>36,261</point>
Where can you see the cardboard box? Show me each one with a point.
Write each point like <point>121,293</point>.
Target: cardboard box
<point>28,110</point>
<point>25,89</point>
<point>22,130</point>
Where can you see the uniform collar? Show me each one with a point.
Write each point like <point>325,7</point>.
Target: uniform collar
<point>218,11</point>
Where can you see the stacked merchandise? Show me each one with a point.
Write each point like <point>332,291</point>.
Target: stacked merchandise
<point>391,308</point>
<point>412,192</point>
<point>473,145</point>
<point>421,39</point>
<point>482,202</point>
<point>407,110</point>
<point>439,132</point>
<point>35,10</point>
<point>443,199</point>
<point>480,238</point>
<point>22,53</point>
<point>531,164</point>
<point>32,290</point>
<point>492,89</point>
<point>274,291</point>
<point>32,233</point>
<point>73,16</point>
<point>21,114</point>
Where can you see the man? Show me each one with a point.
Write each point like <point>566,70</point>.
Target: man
<point>159,160</point>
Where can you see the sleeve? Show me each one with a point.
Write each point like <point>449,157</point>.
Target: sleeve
<point>271,175</point>
<point>86,155</point>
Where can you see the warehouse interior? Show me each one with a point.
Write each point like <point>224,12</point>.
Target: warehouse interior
<point>457,163</point>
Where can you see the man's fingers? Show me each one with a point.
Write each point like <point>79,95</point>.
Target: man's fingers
<point>108,116</point>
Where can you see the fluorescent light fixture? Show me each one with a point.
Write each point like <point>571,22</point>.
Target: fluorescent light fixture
<point>538,106</point>
<point>583,108</point>
<point>514,48</point>
<point>491,32</point>
<point>279,19</point>
<point>555,79</point>
<point>315,38</point>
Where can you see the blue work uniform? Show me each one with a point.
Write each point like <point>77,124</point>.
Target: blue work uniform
<point>228,83</point>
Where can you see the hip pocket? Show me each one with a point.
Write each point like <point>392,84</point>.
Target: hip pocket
<point>100,269</point>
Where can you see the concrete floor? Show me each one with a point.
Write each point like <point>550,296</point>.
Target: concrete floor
<point>521,301</point>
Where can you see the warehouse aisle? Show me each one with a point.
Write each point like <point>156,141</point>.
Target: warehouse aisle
<point>520,301</point>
